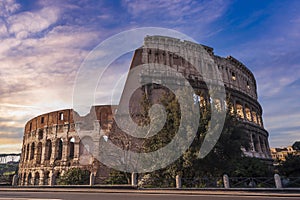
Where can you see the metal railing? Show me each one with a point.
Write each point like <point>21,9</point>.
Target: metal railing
<point>211,182</point>
<point>252,182</point>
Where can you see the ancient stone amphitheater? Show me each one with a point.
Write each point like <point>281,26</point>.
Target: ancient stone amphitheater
<point>51,144</point>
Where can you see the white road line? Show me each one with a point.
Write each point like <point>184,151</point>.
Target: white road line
<point>25,199</point>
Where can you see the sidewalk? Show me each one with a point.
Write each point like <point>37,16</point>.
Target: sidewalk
<point>270,192</point>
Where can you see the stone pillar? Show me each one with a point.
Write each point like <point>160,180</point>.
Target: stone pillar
<point>178,182</point>
<point>76,148</point>
<point>41,182</point>
<point>226,181</point>
<point>26,180</point>
<point>92,179</point>
<point>278,183</point>
<point>244,112</point>
<point>43,152</point>
<point>15,180</point>
<point>54,150</point>
<point>259,146</point>
<point>65,153</point>
<point>52,179</point>
<point>134,180</point>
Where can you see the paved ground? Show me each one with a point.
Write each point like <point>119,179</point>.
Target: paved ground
<point>124,196</point>
<point>116,194</point>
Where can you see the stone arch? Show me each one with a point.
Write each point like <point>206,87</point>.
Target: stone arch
<point>248,113</point>
<point>262,144</point>
<point>29,179</point>
<point>24,178</point>
<point>48,149</point>
<point>56,176</point>
<point>254,116</point>
<point>255,143</point>
<point>259,120</point>
<point>27,151</point>
<point>20,179</point>
<point>32,149</point>
<point>239,110</point>
<point>39,153</point>
<point>40,134</point>
<point>46,178</point>
<point>36,178</point>
<point>71,148</point>
<point>59,148</point>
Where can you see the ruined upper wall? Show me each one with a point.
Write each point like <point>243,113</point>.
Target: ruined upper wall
<point>104,113</point>
<point>186,57</point>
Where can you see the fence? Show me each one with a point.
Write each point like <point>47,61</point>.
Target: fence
<point>221,182</point>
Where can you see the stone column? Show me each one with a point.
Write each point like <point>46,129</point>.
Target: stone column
<point>52,179</point>
<point>76,148</point>
<point>259,146</point>
<point>41,182</point>
<point>54,150</point>
<point>65,153</point>
<point>244,112</point>
<point>252,143</point>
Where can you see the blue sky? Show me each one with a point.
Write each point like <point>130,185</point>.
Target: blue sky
<point>43,43</point>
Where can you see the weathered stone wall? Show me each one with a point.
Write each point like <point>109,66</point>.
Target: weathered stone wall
<point>51,146</point>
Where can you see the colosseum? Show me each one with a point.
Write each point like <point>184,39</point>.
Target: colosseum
<point>51,143</point>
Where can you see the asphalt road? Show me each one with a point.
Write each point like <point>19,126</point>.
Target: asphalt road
<point>123,196</point>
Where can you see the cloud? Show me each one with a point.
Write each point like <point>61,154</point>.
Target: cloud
<point>203,11</point>
<point>26,24</point>
<point>179,15</point>
<point>8,7</point>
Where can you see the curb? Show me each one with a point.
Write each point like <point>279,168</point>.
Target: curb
<point>290,192</point>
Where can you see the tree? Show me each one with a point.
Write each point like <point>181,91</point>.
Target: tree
<point>291,166</point>
<point>118,177</point>
<point>75,176</point>
<point>250,167</point>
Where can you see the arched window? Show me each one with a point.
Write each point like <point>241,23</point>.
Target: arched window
<point>239,111</point>
<point>254,117</point>
<point>71,146</point>
<point>39,153</point>
<point>36,178</point>
<point>248,113</point>
<point>46,178</point>
<point>32,151</point>
<point>29,179</point>
<point>48,150</point>
<point>59,144</point>
<point>24,178</point>
<point>40,134</point>
<point>27,152</point>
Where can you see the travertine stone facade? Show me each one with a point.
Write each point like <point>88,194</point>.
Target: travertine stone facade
<point>51,144</point>
<point>239,82</point>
